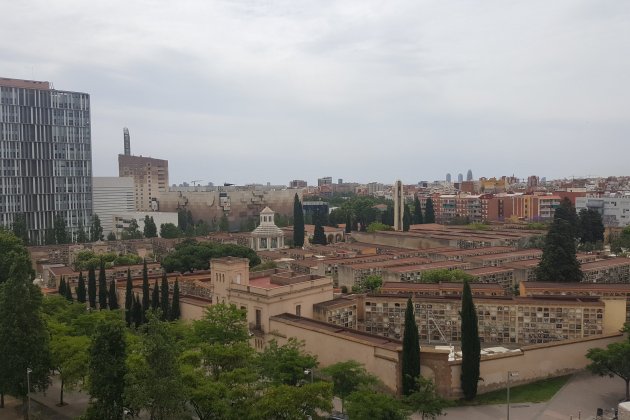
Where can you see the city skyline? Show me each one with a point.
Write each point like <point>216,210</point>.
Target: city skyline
<point>361,90</point>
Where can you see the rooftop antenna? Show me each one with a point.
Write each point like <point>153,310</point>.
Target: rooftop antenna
<point>127,141</point>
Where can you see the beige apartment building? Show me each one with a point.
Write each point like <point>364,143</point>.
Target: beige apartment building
<point>150,177</point>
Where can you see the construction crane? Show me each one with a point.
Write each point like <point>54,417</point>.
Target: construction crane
<point>194,182</point>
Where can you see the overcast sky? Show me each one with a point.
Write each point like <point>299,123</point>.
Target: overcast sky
<point>274,90</point>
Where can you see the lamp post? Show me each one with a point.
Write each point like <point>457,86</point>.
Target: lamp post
<point>309,372</point>
<point>28,390</point>
<point>510,374</point>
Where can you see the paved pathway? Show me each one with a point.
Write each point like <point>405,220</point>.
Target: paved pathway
<point>579,398</point>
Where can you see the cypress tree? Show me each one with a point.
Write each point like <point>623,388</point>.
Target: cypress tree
<point>62,287</point>
<point>92,287</point>
<point>298,223</point>
<point>137,312</point>
<point>102,287</point>
<point>471,347</point>
<point>129,299</point>
<point>164,296</point>
<point>68,292</point>
<point>81,288</point>
<point>174,313</point>
<point>411,352</point>
<point>597,226</point>
<point>145,291</point>
<point>558,261</point>
<point>406,218</point>
<point>113,297</point>
<point>348,228</point>
<point>429,212</point>
<point>417,211</point>
<point>319,236</point>
<point>155,297</point>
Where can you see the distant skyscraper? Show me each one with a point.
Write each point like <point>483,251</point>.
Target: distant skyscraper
<point>327,180</point>
<point>448,177</point>
<point>45,157</point>
<point>127,141</point>
<point>460,178</point>
<point>469,175</point>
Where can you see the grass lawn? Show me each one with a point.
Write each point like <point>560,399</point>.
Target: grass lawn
<point>535,392</point>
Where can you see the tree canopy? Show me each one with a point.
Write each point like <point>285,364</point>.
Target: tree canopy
<point>191,255</point>
<point>559,261</point>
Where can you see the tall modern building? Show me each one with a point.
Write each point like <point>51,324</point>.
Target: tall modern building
<point>45,157</point>
<point>112,196</point>
<point>150,177</point>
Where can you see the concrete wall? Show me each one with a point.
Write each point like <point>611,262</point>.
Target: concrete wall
<point>532,363</point>
<point>331,348</point>
<point>401,241</point>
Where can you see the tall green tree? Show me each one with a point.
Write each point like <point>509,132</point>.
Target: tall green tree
<point>348,228</point>
<point>19,228</point>
<point>61,290</point>
<point>150,229</point>
<point>566,211</point>
<point>347,377</point>
<point>146,302</point>
<point>290,402</point>
<point>24,338</point>
<point>69,357</point>
<point>11,248</point>
<point>286,364</point>
<point>612,361</point>
<point>96,230</point>
<point>319,236</point>
<point>113,296</point>
<point>411,351</point>
<point>61,233</point>
<point>92,287</point>
<point>559,262</point>
<point>406,218</point>
<point>81,292</point>
<point>68,292</point>
<point>169,231</point>
<point>174,313</point>
<point>471,346</point>
<point>154,381</point>
<point>417,211</point>
<point>129,299</point>
<point>429,211</point>
<point>155,296</point>
<point>102,287</point>
<point>106,371</point>
<point>164,302</point>
<point>591,226</point>
<point>298,223</point>
<point>81,235</point>
<point>138,317</point>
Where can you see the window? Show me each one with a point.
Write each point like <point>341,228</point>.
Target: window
<point>258,319</point>
<point>298,310</point>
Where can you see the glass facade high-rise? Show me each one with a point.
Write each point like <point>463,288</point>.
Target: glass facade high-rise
<point>45,157</point>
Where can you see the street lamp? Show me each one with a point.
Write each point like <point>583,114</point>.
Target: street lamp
<point>309,372</point>
<point>510,374</point>
<point>28,389</point>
